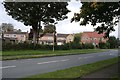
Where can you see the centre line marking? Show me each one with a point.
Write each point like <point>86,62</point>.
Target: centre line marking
<point>7,67</point>
<point>88,56</point>
<point>80,58</point>
<point>53,61</point>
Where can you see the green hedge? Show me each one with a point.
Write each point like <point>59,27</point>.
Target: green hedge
<point>27,46</point>
<point>104,45</point>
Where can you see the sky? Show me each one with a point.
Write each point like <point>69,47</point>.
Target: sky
<point>64,26</point>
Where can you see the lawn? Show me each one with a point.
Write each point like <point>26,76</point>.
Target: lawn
<point>75,72</point>
<point>7,55</point>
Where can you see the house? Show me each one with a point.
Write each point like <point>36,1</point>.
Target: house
<point>60,38</point>
<point>9,40</point>
<point>93,37</point>
<point>17,36</point>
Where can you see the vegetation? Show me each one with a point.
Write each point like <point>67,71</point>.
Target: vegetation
<point>21,54</point>
<point>114,42</point>
<point>104,13</point>
<point>103,45</point>
<point>76,72</point>
<point>67,46</point>
<point>116,77</point>
<point>34,13</point>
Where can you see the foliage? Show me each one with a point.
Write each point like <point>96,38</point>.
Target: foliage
<point>77,38</point>
<point>103,45</point>
<point>50,28</point>
<point>7,27</point>
<point>74,45</point>
<point>19,46</point>
<point>108,45</point>
<point>105,13</point>
<point>67,46</point>
<point>88,46</point>
<point>34,13</point>
<point>114,42</point>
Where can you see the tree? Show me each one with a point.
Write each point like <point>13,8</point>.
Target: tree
<point>34,13</point>
<point>113,42</point>
<point>77,38</point>
<point>50,28</point>
<point>105,13</point>
<point>118,42</point>
<point>7,27</point>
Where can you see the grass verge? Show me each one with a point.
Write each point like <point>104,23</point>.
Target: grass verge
<point>10,55</point>
<point>75,72</point>
<point>116,77</point>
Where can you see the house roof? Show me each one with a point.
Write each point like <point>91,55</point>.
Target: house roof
<point>58,35</point>
<point>52,40</point>
<point>93,34</point>
<point>15,33</point>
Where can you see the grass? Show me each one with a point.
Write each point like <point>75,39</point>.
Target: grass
<point>75,72</point>
<point>116,77</point>
<point>8,55</point>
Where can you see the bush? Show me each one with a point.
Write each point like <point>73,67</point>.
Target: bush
<point>88,46</point>
<point>104,45</point>
<point>74,45</point>
<point>27,46</point>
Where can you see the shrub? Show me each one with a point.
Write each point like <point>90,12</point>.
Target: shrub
<point>104,45</point>
<point>27,46</point>
<point>87,46</point>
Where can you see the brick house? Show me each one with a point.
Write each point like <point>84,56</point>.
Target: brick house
<point>93,37</point>
<point>19,36</point>
<point>61,39</point>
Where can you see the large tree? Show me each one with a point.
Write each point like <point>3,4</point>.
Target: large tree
<point>105,13</point>
<point>114,42</point>
<point>33,13</point>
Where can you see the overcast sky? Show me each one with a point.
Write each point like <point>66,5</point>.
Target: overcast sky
<point>62,27</point>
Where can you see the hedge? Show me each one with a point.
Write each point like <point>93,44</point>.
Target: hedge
<point>27,46</point>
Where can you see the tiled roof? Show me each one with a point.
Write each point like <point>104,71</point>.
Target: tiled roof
<point>58,35</point>
<point>93,34</point>
<point>52,40</point>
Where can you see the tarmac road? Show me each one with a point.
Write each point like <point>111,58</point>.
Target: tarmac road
<point>27,67</point>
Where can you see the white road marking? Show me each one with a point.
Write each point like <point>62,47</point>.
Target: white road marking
<point>80,58</point>
<point>101,55</point>
<point>85,57</point>
<point>53,61</point>
<point>88,56</point>
<point>13,60</point>
<point>29,59</point>
<point>7,67</point>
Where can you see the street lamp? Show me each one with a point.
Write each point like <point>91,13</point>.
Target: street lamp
<point>54,36</point>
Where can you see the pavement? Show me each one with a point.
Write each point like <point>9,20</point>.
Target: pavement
<point>27,67</point>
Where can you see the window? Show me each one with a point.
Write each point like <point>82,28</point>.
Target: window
<point>50,38</point>
<point>7,35</point>
<point>22,35</point>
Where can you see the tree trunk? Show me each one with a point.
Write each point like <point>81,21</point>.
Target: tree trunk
<point>34,38</point>
<point>38,31</point>
<point>55,38</point>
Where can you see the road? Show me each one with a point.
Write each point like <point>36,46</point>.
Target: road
<point>27,67</point>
